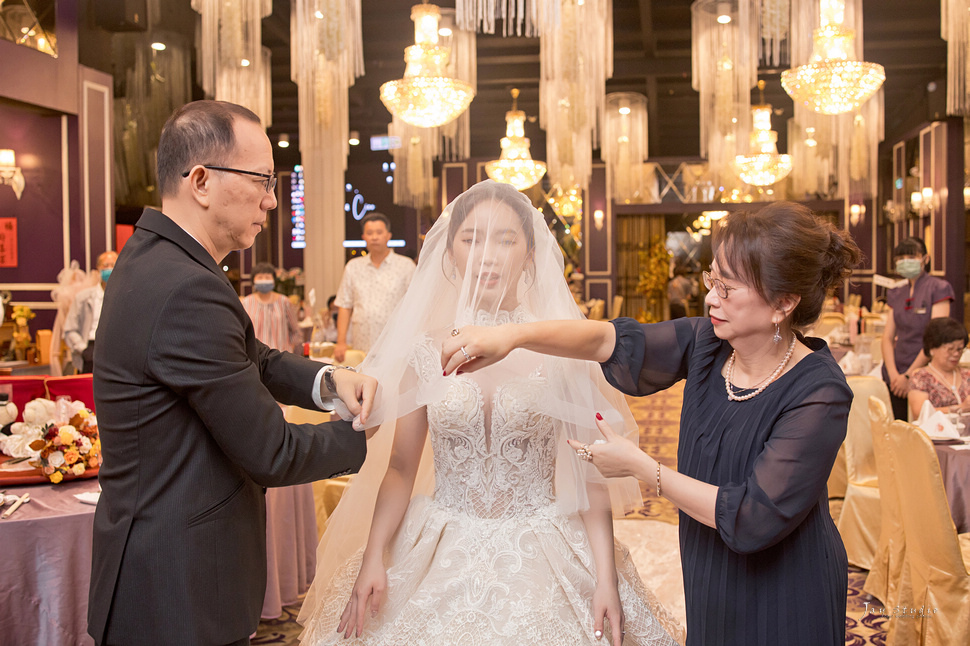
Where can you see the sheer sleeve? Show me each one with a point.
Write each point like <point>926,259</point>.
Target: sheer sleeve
<point>789,475</point>
<point>650,357</point>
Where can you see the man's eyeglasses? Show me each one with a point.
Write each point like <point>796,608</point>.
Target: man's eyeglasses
<point>716,284</point>
<point>269,181</point>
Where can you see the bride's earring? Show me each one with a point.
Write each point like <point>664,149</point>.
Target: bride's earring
<point>777,337</point>
<point>454,272</point>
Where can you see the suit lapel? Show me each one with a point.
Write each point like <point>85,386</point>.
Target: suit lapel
<point>161,225</point>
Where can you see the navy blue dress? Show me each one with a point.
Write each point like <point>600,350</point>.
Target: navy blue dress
<point>774,571</point>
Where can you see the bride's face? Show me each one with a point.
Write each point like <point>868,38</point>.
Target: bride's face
<point>491,247</point>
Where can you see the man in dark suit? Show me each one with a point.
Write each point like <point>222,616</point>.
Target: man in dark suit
<point>187,402</point>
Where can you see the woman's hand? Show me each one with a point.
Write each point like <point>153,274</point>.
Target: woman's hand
<point>616,456</point>
<point>899,385</point>
<point>368,592</point>
<point>482,345</point>
<point>606,604</point>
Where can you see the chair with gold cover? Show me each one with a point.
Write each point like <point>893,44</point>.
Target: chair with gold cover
<point>937,557</point>
<point>888,579</point>
<point>859,522</point>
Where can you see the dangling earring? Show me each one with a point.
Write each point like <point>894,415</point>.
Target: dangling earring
<point>454,272</point>
<point>777,337</point>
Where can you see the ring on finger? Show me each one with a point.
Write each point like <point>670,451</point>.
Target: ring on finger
<point>584,454</point>
<point>467,356</point>
<point>454,332</point>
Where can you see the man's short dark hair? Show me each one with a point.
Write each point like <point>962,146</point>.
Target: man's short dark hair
<point>200,132</point>
<point>375,216</point>
<point>263,268</point>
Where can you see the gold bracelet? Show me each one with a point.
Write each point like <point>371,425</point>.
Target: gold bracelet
<point>659,493</point>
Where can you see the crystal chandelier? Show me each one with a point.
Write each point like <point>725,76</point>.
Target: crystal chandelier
<point>515,166</point>
<point>764,166</point>
<point>833,81</point>
<point>426,97</point>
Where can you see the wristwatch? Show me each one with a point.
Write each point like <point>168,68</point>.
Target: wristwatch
<point>328,377</point>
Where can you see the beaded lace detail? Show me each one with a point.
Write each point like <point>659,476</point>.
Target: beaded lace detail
<point>490,560</point>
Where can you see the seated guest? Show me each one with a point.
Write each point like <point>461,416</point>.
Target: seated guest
<point>81,324</point>
<point>943,383</point>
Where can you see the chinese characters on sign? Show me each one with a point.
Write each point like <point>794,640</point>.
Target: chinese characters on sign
<point>8,242</point>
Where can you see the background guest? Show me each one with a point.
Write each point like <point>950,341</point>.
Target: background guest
<point>274,318</point>
<point>910,307</point>
<point>330,333</point>
<point>371,286</point>
<point>81,324</point>
<point>765,411</point>
<point>680,290</point>
<point>942,382</point>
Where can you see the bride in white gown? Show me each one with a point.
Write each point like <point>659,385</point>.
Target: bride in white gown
<point>472,521</point>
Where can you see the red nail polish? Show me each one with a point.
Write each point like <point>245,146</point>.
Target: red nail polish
<point>444,373</point>
<point>460,372</point>
<point>599,417</point>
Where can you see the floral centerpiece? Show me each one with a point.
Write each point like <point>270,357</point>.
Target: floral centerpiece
<point>69,449</point>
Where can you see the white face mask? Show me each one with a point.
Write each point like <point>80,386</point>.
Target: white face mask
<point>909,267</point>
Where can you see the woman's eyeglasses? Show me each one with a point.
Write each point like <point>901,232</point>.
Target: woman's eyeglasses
<point>269,181</point>
<point>716,284</point>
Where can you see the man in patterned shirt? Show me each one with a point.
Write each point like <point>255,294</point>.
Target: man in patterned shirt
<point>371,286</point>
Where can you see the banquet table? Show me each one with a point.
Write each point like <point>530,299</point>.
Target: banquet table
<point>955,469</point>
<point>47,566</point>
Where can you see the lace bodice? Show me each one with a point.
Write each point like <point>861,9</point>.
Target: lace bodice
<point>494,454</point>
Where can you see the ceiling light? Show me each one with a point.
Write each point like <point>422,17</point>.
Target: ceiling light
<point>763,166</point>
<point>515,165</point>
<point>244,62</point>
<point>283,141</point>
<point>158,47</point>
<point>354,138</point>
<point>426,97</point>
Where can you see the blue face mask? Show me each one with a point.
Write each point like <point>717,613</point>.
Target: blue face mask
<point>263,286</point>
<point>105,275</point>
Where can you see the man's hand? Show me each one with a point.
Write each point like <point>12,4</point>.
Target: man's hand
<point>356,391</point>
<point>339,352</point>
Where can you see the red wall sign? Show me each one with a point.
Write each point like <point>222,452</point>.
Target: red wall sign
<point>8,242</point>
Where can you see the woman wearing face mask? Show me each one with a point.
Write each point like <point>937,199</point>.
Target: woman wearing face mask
<point>274,320</point>
<point>911,307</point>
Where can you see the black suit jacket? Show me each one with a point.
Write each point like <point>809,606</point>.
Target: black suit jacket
<point>191,434</point>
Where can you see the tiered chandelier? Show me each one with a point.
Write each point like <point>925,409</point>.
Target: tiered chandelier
<point>426,97</point>
<point>763,166</point>
<point>515,166</point>
<point>833,82</point>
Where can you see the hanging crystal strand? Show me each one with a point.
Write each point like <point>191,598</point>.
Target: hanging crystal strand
<point>326,54</point>
<point>724,67</point>
<point>519,17</point>
<point>955,30</point>
<point>575,61</point>
<point>234,64</point>
<point>773,19</point>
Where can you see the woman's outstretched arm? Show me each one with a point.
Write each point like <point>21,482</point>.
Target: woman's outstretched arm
<point>589,340</point>
<point>392,501</point>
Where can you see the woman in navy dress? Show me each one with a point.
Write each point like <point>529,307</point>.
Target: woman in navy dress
<point>765,411</point>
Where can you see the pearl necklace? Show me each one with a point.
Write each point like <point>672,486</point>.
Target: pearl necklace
<point>955,387</point>
<point>729,375</point>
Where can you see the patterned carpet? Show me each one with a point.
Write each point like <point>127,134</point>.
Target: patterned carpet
<point>653,544</point>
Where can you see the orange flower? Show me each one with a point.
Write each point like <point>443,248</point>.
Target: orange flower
<point>71,456</point>
<point>93,461</point>
<point>56,477</point>
<point>78,469</point>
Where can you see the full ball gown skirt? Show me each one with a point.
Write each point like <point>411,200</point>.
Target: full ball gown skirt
<point>490,559</point>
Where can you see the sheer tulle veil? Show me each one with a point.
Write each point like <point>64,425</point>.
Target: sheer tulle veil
<point>489,259</point>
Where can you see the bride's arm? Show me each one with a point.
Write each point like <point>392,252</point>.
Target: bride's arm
<point>599,527</point>
<point>588,340</point>
<point>392,501</point>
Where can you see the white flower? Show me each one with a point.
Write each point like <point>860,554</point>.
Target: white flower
<point>85,444</point>
<point>55,459</point>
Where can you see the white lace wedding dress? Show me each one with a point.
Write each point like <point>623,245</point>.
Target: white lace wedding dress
<point>490,559</point>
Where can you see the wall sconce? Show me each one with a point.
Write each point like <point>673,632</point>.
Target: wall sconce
<point>856,213</point>
<point>924,201</point>
<point>9,172</point>
<point>598,219</point>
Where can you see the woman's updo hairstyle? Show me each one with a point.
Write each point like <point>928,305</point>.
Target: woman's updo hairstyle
<point>785,249</point>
